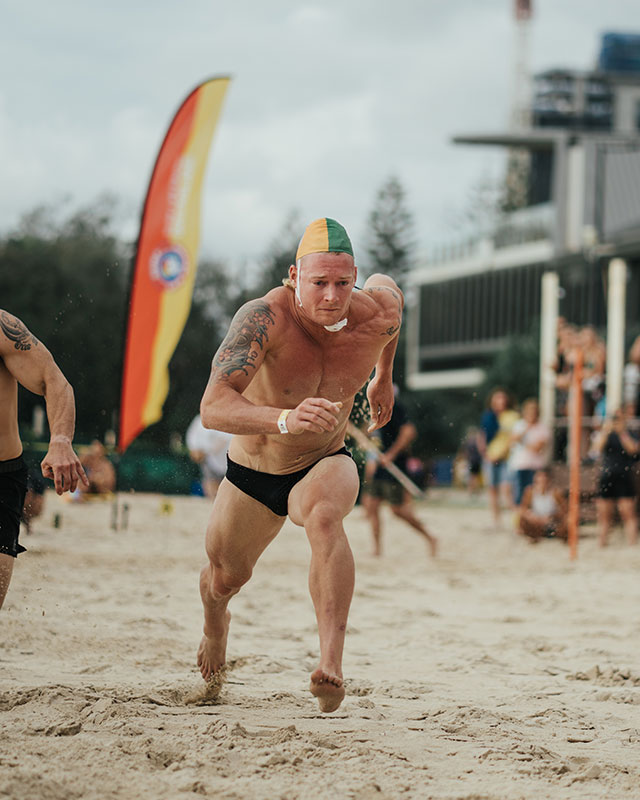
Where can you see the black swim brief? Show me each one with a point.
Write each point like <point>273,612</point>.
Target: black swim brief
<point>269,489</point>
<point>13,488</point>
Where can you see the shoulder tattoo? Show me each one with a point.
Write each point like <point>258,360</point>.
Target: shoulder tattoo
<point>392,329</point>
<point>17,332</point>
<point>249,331</point>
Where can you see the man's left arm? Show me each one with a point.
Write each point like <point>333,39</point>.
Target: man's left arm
<point>380,390</point>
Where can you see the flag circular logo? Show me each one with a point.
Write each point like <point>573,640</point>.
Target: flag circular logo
<point>169,266</point>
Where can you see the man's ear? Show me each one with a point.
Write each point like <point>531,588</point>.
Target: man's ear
<point>355,274</point>
<point>293,273</point>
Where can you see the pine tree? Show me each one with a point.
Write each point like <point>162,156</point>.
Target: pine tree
<point>390,242</point>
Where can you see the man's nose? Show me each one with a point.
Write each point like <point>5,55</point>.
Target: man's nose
<point>330,293</point>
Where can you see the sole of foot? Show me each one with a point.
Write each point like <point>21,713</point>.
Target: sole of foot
<point>328,690</point>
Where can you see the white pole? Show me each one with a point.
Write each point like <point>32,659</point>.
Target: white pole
<point>548,345</point>
<point>616,314</point>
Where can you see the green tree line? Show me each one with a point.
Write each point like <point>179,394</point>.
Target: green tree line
<point>68,280</point>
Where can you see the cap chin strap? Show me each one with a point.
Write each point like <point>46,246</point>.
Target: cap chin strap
<point>298,298</point>
<point>337,326</point>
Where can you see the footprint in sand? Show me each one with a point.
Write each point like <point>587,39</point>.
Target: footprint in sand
<point>208,695</point>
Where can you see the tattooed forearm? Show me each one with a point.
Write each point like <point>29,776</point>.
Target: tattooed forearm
<point>17,332</point>
<point>249,328</point>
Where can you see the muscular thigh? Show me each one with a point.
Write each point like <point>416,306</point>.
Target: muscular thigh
<point>334,479</point>
<point>239,529</point>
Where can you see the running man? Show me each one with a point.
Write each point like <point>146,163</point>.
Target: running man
<point>380,485</point>
<point>26,361</point>
<point>283,382</point>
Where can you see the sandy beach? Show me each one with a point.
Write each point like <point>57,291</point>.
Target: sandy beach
<point>499,670</point>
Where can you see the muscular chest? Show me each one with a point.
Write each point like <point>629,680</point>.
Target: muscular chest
<point>335,369</point>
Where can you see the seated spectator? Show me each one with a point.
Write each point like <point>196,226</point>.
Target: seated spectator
<point>617,447</point>
<point>100,471</point>
<point>543,510</point>
<point>34,499</point>
<point>530,440</point>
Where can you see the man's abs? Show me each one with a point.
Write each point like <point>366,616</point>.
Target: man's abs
<point>281,454</point>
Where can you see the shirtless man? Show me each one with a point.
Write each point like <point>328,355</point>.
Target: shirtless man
<point>25,360</point>
<point>283,381</point>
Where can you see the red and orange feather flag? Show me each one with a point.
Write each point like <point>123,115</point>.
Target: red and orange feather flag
<point>166,260</point>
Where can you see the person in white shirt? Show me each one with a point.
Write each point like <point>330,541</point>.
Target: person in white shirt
<point>529,447</point>
<point>208,448</point>
<point>543,511</point>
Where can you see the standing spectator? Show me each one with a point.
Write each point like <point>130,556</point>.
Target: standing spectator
<point>543,510</point>
<point>529,447</point>
<point>632,381</point>
<point>567,342</point>
<point>208,448</point>
<point>617,446</point>
<point>472,452</point>
<point>497,423</point>
<point>593,368</point>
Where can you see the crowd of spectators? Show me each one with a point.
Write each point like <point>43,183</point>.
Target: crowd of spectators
<point>511,451</point>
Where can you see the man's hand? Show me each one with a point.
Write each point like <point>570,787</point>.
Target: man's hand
<point>62,466</point>
<point>380,397</point>
<point>314,414</point>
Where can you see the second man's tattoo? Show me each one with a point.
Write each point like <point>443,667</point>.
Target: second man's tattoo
<point>17,332</point>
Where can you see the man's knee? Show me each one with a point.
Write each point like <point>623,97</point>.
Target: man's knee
<point>222,583</point>
<point>402,511</point>
<point>324,516</point>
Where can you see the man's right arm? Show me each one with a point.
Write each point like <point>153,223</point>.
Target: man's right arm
<point>239,357</point>
<point>32,365</point>
<point>406,435</point>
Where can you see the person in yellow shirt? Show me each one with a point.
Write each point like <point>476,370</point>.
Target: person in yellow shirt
<point>497,423</point>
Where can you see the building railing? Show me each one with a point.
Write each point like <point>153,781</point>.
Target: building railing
<point>514,229</point>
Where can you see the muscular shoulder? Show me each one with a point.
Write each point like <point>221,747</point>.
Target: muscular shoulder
<point>14,334</point>
<point>386,300</point>
<point>264,316</point>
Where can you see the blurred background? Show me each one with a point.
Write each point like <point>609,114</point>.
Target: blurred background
<point>467,147</point>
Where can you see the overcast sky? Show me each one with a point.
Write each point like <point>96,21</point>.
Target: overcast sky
<point>327,100</point>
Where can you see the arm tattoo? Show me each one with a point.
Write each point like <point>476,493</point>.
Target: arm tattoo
<point>17,332</point>
<point>392,329</point>
<point>248,327</point>
<point>393,293</point>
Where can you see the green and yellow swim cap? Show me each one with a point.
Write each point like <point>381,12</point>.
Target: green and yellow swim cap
<point>324,235</point>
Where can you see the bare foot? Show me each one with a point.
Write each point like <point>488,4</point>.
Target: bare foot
<point>433,546</point>
<point>213,650</point>
<point>328,689</point>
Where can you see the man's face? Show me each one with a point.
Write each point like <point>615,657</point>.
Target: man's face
<point>326,281</point>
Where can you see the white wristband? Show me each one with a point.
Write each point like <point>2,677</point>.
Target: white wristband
<point>282,420</point>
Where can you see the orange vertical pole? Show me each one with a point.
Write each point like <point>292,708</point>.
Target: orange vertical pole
<point>575,438</point>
